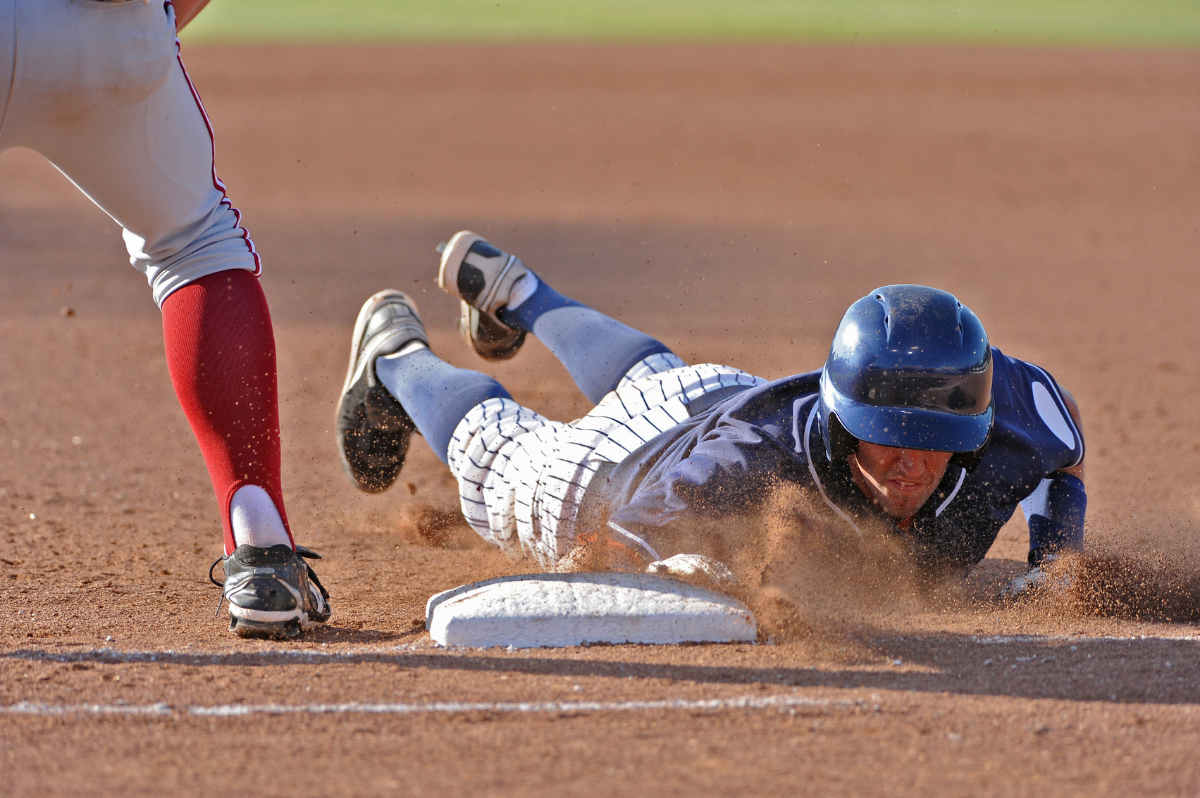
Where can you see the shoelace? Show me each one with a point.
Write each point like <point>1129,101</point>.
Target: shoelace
<point>303,551</point>
<point>221,585</point>
<point>309,554</point>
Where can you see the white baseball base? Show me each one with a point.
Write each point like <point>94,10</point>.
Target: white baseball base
<point>555,610</point>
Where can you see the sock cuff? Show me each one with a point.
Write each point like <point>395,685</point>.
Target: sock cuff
<point>542,299</point>
<point>523,290</point>
<point>255,518</point>
<point>409,348</point>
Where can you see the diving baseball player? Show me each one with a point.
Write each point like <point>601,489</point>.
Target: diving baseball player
<point>99,89</point>
<point>915,425</point>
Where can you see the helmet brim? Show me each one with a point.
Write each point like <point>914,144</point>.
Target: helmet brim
<point>915,428</point>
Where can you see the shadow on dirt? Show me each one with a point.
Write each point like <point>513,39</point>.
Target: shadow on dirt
<point>1134,670</point>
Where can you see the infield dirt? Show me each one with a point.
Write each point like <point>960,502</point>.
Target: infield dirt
<point>731,201</point>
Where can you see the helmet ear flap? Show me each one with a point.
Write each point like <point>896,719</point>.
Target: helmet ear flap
<point>841,443</point>
<point>969,461</point>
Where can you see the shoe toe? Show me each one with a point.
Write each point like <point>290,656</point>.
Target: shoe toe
<point>263,594</point>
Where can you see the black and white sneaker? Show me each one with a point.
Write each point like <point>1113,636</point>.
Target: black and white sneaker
<point>271,591</point>
<point>373,431</point>
<point>482,277</point>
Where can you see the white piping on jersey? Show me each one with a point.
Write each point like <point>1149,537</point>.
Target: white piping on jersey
<point>812,414</point>
<point>961,478</point>
<point>654,556</point>
<point>1036,502</point>
<point>218,184</point>
<point>796,422</point>
<point>1053,386</point>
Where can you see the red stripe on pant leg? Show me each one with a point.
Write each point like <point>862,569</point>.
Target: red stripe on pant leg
<point>221,355</point>
<point>212,139</point>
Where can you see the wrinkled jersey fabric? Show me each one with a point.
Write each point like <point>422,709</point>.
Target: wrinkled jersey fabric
<point>726,461</point>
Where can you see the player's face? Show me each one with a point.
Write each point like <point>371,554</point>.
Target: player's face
<point>898,481</point>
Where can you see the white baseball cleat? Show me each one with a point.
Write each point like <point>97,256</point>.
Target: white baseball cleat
<point>482,277</point>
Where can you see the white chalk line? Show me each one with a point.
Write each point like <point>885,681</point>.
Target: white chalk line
<point>434,708</point>
<point>108,654</point>
<point>1007,639</point>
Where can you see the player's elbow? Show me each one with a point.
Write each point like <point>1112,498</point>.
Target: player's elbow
<point>1073,408</point>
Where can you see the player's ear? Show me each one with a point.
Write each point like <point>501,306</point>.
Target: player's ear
<point>971,460</point>
<point>841,443</point>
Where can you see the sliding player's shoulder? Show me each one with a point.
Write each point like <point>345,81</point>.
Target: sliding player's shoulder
<point>1030,400</point>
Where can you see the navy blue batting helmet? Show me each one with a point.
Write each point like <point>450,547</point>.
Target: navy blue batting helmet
<point>910,367</point>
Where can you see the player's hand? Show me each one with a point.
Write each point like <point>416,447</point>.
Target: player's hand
<point>691,566</point>
<point>1035,581</point>
<point>1025,584</point>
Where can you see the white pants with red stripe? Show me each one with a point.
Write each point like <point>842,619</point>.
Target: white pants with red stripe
<point>98,88</point>
<point>521,476</point>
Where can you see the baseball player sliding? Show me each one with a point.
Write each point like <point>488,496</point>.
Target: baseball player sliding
<point>915,425</point>
<point>98,87</point>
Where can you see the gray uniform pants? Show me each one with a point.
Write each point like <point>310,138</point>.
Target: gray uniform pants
<point>99,89</point>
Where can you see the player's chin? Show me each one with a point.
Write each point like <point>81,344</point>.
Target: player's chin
<point>905,501</point>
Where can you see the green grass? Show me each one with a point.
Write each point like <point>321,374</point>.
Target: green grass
<point>1050,22</point>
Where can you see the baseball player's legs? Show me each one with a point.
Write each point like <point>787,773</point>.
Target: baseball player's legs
<point>521,476</point>
<point>435,394</point>
<point>597,351</point>
<point>221,357</point>
<point>98,88</point>
<point>100,91</point>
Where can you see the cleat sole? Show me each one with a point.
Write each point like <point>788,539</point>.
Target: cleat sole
<point>261,630</point>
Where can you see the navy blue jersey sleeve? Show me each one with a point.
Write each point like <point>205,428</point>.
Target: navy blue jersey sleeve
<point>1055,513</point>
<point>729,471</point>
<point>1056,508</point>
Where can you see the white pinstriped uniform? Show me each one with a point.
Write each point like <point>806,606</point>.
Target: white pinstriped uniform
<point>521,476</point>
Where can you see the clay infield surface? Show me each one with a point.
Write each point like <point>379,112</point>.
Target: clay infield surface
<point>731,201</point>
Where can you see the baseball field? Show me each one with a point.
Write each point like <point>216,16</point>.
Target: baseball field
<point>729,180</point>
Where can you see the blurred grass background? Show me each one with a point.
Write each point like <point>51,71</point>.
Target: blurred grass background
<point>1172,23</point>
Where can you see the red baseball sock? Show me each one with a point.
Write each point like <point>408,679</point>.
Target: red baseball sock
<point>221,355</point>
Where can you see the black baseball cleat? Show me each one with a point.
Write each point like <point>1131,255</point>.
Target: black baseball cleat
<point>271,591</point>
<point>373,431</point>
<point>482,277</point>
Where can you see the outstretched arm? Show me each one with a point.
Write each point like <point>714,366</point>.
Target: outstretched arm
<point>186,11</point>
<point>1055,512</point>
